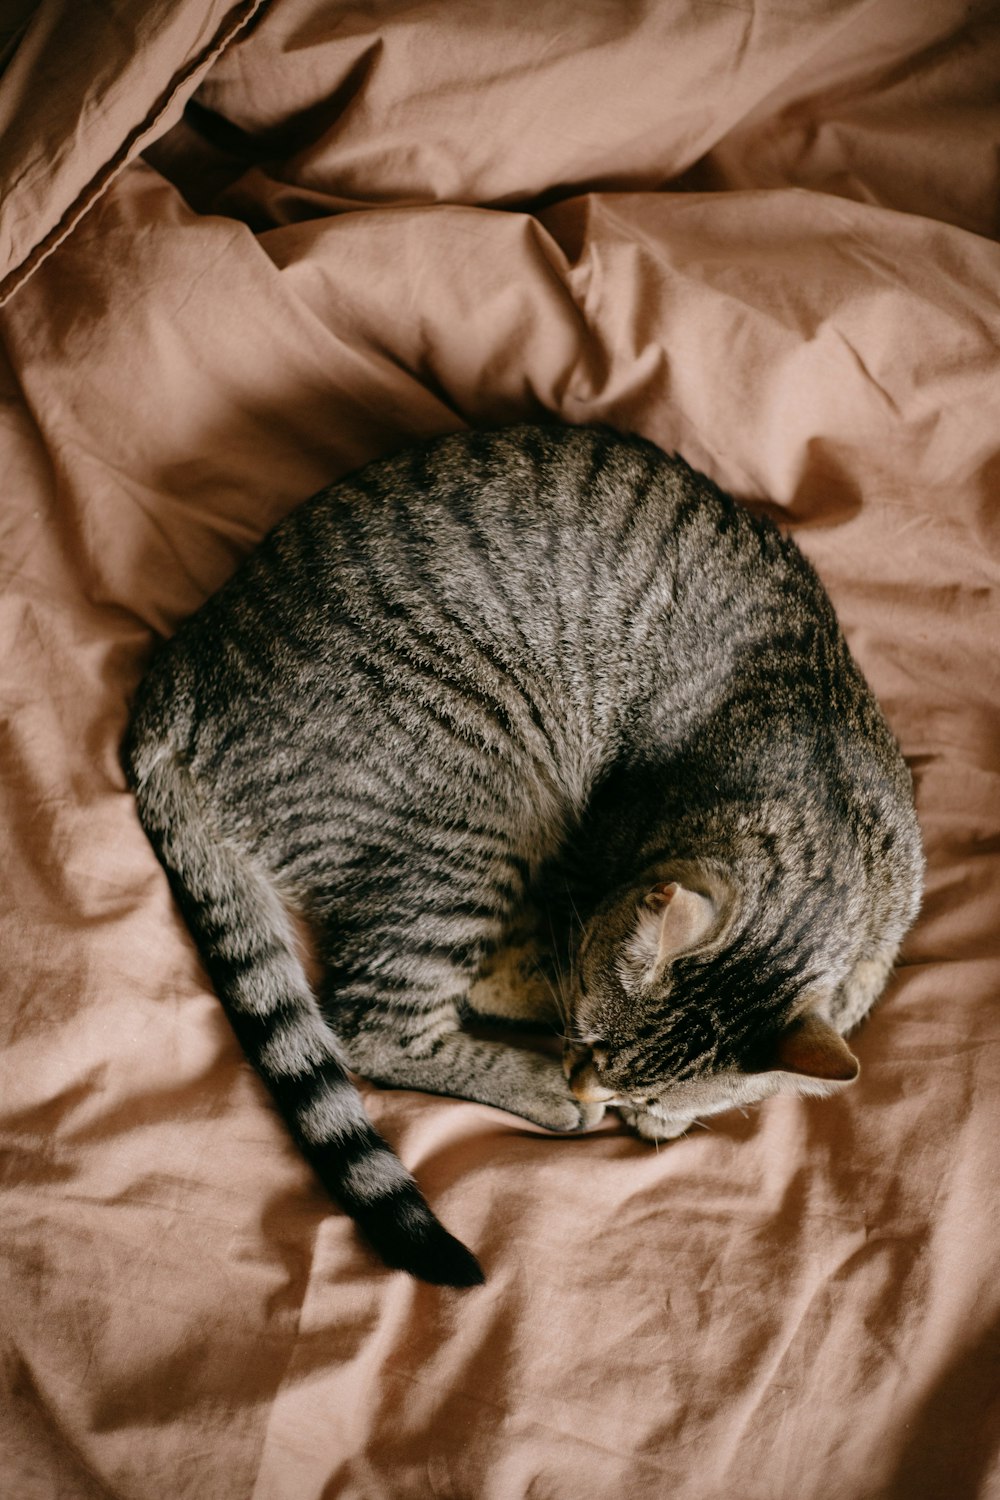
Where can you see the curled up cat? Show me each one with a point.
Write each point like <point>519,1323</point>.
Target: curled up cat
<point>540,658</point>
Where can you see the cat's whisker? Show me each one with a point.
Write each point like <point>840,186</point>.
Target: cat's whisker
<point>573,906</point>
<point>562,1000</point>
<point>558,999</point>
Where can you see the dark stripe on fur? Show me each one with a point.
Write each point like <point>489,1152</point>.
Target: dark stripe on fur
<point>208,874</point>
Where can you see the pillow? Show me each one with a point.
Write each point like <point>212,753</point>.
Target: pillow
<point>87,84</point>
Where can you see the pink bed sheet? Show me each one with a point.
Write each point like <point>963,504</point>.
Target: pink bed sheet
<point>764,236</point>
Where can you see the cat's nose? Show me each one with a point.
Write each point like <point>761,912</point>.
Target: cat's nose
<point>578,1065</point>
<point>588,1088</point>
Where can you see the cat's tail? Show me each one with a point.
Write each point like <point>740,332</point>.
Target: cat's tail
<point>248,945</point>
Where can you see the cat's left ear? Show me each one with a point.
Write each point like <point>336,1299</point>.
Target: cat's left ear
<point>812,1048</point>
<point>672,920</point>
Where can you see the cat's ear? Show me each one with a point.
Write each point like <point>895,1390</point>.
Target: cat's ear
<point>672,920</point>
<point>812,1048</point>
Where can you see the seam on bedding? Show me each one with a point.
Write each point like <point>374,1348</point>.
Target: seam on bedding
<point>105,175</point>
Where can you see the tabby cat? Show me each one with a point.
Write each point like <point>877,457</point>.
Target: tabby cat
<point>540,658</point>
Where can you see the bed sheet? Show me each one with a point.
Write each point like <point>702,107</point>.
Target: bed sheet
<point>765,237</point>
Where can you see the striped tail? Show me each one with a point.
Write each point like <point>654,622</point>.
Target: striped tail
<point>247,943</point>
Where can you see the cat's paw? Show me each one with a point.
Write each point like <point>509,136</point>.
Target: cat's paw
<point>590,1114</point>
<point>553,1106</point>
<point>568,1115</point>
<point>652,1127</point>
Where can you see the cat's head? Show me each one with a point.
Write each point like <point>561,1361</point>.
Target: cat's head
<point>678,1012</point>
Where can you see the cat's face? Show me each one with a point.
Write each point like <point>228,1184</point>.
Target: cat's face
<point>649,1032</point>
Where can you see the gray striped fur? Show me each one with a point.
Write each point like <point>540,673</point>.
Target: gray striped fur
<point>541,665</point>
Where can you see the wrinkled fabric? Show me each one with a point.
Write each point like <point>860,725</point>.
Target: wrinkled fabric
<point>765,238</point>
<point>88,83</point>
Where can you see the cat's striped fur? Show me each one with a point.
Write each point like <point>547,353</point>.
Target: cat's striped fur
<point>497,655</point>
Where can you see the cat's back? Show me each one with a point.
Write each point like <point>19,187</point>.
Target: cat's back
<point>476,548</point>
<point>564,574</point>
<point>568,545</point>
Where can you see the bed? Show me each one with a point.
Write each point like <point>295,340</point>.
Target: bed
<point>245,247</point>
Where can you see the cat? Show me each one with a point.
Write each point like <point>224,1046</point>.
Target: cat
<point>539,658</point>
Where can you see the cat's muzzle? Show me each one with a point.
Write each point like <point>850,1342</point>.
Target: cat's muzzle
<point>578,1065</point>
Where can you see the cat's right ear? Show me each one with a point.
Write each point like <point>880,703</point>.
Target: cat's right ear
<point>672,920</point>
<point>812,1048</point>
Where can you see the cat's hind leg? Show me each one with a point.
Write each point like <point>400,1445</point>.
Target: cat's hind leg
<point>515,987</point>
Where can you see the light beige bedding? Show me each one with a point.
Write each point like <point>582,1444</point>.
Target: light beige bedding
<point>765,236</point>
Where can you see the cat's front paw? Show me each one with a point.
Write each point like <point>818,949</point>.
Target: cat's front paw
<point>553,1106</point>
<point>653,1127</point>
<point>590,1114</point>
<point>567,1115</point>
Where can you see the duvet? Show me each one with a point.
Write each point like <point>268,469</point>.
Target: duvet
<point>245,248</point>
